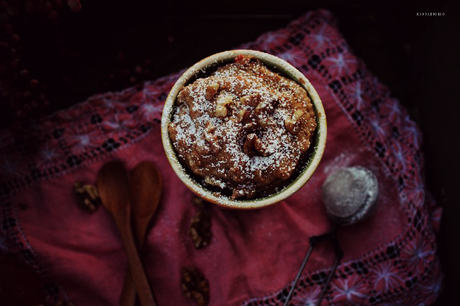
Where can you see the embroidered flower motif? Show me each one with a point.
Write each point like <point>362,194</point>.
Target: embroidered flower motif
<point>418,254</point>
<point>119,124</point>
<point>340,64</point>
<point>432,286</point>
<point>151,111</point>
<point>49,155</point>
<point>307,297</point>
<point>271,40</point>
<point>415,189</point>
<point>151,108</point>
<point>150,94</point>
<point>110,105</point>
<point>399,155</point>
<point>414,298</point>
<point>12,167</point>
<point>355,93</point>
<point>112,102</point>
<point>379,127</point>
<point>349,290</point>
<point>321,38</point>
<point>385,276</point>
<point>411,131</point>
<point>295,57</point>
<point>391,111</point>
<point>83,138</point>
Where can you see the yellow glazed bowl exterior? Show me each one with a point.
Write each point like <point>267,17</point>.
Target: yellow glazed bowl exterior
<point>285,69</point>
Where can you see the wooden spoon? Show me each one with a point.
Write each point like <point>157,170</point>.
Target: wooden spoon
<point>146,187</point>
<point>113,186</point>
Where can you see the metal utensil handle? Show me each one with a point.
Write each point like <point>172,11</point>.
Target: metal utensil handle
<point>338,253</point>
<point>302,266</point>
<point>313,241</point>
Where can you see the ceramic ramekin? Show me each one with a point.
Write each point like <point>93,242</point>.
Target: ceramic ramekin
<point>285,69</point>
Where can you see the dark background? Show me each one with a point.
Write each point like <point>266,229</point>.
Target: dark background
<point>66,57</point>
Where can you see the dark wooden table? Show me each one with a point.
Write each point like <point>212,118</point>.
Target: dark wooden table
<point>110,46</point>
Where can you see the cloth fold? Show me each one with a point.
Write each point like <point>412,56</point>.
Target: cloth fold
<point>253,256</point>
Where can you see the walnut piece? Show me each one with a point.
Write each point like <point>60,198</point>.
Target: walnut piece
<point>221,105</point>
<point>293,123</point>
<point>87,196</point>
<point>195,285</point>
<point>200,227</point>
<point>211,90</point>
<point>250,100</point>
<point>211,139</point>
<point>221,111</point>
<point>254,146</point>
<point>241,115</point>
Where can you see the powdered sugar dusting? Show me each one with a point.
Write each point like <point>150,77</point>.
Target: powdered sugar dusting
<point>231,127</point>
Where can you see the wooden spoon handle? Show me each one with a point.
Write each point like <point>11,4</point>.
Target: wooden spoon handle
<point>128,293</point>
<point>137,272</point>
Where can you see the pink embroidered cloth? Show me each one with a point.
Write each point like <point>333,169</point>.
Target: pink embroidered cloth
<point>253,256</point>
